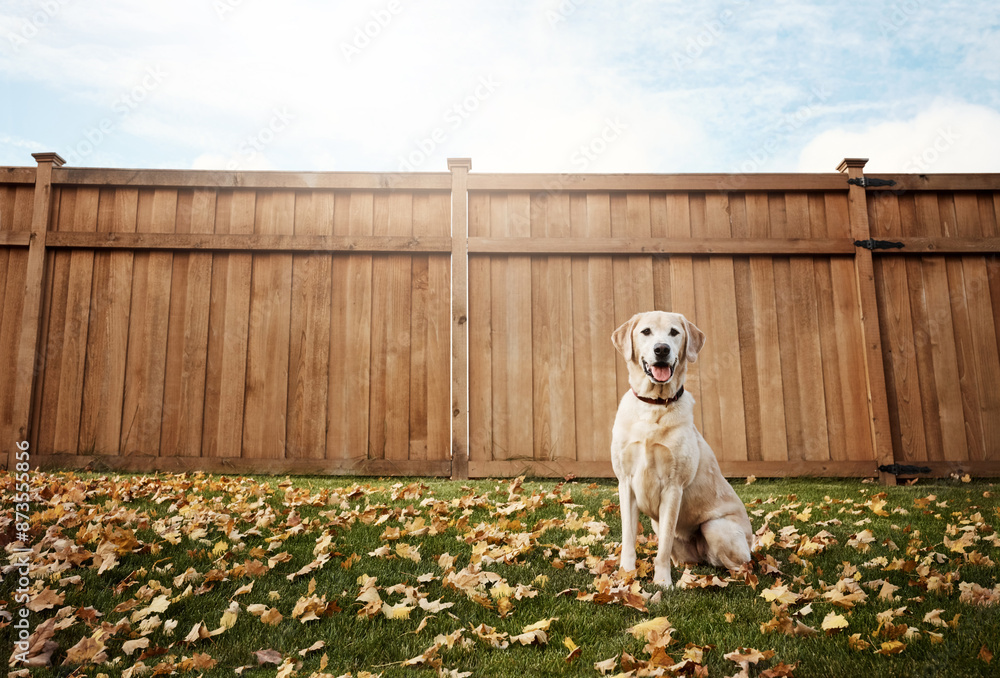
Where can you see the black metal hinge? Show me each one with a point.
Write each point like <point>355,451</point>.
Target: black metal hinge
<point>870,182</point>
<point>903,469</point>
<point>872,244</point>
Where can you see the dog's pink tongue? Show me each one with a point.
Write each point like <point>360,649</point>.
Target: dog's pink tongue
<point>661,373</point>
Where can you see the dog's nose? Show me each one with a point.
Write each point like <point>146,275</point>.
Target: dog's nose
<point>662,351</point>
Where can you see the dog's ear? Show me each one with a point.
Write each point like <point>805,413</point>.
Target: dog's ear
<point>622,337</point>
<point>695,341</point>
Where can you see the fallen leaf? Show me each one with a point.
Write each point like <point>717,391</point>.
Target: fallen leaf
<point>833,621</point>
<point>130,646</point>
<point>267,657</point>
<point>574,649</point>
<point>86,651</point>
<point>891,647</point>
<point>45,599</point>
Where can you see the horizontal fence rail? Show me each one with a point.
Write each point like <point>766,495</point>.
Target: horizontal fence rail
<point>459,324</point>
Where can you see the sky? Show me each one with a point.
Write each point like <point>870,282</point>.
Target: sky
<point>561,86</point>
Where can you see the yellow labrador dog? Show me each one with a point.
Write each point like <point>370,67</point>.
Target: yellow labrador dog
<point>664,466</point>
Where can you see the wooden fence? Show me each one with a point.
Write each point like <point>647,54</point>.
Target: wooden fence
<point>459,324</point>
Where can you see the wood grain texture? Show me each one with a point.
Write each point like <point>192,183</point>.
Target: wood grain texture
<point>107,339</point>
<point>145,372</point>
<point>266,400</point>
<point>187,334</point>
<point>309,334</point>
<point>229,315</point>
<point>316,321</point>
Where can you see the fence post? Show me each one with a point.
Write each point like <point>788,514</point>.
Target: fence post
<point>864,276</point>
<point>459,168</point>
<point>34,279</point>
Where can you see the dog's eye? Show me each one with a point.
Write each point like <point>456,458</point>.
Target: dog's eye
<point>674,332</point>
<point>646,332</point>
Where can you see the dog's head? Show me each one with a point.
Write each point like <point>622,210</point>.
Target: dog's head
<point>657,347</point>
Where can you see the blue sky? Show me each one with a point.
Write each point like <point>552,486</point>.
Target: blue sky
<point>524,86</point>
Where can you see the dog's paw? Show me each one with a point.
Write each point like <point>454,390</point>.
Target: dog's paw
<point>661,577</point>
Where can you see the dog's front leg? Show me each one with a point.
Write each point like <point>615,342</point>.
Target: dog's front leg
<point>630,521</point>
<point>670,504</point>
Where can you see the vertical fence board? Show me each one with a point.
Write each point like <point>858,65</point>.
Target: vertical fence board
<point>107,340</point>
<point>309,336</point>
<point>266,404</point>
<point>229,315</point>
<point>487,334</point>
<point>187,335</point>
<point>148,325</point>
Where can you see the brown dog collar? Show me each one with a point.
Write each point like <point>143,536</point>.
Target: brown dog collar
<point>660,401</point>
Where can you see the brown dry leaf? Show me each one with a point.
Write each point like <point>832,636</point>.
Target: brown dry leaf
<point>272,617</point>
<point>267,657</point>
<point>86,651</point>
<point>130,646</point>
<point>782,670</point>
<point>491,637</point>
<point>574,649</point>
<point>198,632</point>
<point>40,645</point>
<point>891,647</point>
<point>985,654</point>
<point>46,599</point>
<point>748,655</point>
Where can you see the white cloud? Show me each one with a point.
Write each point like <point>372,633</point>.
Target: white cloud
<point>948,136</point>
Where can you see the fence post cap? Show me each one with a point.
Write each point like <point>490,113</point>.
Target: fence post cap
<point>454,163</point>
<point>852,163</point>
<point>49,156</point>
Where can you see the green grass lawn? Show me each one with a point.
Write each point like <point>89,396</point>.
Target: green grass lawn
<point>218,576</point>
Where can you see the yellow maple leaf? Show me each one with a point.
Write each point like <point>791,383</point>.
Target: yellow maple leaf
<point>891,647</point>
<point>833,621</point>
<point>658,625</point>
<point>542,625</point>
<point>398,611</point>
<point>409,552</point>
<point>779,594</point>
